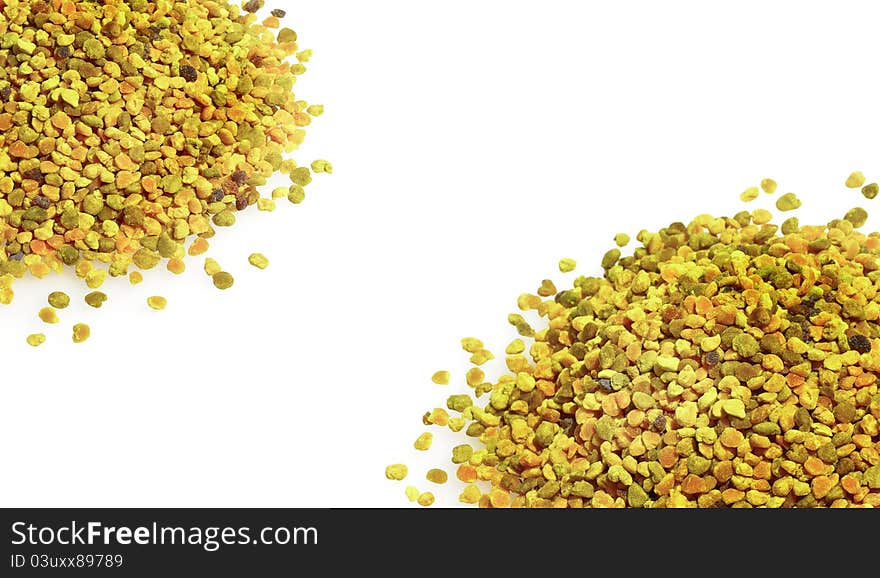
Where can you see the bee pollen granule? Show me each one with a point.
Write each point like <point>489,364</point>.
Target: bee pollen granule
<point>81,332</point>
<point>441,377</point>
<point>36,339</point>
<point>157,302</point>
<point>396,471</point>
<point>258,260</point>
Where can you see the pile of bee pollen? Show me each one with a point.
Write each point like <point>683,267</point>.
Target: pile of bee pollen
<point>725,363</point>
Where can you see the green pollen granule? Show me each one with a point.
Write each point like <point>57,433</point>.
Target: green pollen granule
<point>745,345</point>
<point>790,226</point>
<point>286,35</point>
<point>48,315</point>
<point>36,339</point>
<point>516,319</point>
<point>224,218</point>
<point>441,377</point>
<point>621,239</point>
<point>437,476</point>
<point>525,330</point>
<point>423,442</point>
<point>768,186</point>
<point>412,493</point>
<point>301,176</point>
<point>748,195</point>
<point>459,402</point>
<point>870,190</point>
<point>857,216</point>
<point>567,265</point>
<point>462,453</point>
<point>396,471</point>
<point>855,180</point>
<point>258,260</point>
<point>95,299</point>
<point>81,332</point>
<point>223,280</point>
<point>608,261</point>
<point>157,302</point>
<point>59,300</point>
<point>296,194</point>
<point>788,202</point>
<point>322,166</point>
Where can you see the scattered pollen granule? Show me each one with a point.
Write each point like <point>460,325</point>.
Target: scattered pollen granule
<point>258,260</point>
<point>157,302</point>
<point>81,332</point>
<point>768,186</point>
<point>396,471</point>
<point>36,339</point>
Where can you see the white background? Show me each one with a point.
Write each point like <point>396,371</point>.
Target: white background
<point>475,143</point>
